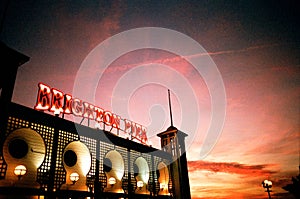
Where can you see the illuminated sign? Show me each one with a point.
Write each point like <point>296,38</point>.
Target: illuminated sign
<point>54,100</point>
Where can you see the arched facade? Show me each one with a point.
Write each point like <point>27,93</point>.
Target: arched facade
<point>142,174</point>
<point>114,171</point>
<point>43,155</point>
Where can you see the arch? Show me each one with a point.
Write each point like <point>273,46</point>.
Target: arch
<point>163,178</point>
<point>114,171</point>
<point>80,157</point>
<point>25,147</point>
<point>141,175</point>
<point>77,161</point>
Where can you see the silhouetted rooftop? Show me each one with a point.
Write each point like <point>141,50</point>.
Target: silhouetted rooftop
<point>11,56</point>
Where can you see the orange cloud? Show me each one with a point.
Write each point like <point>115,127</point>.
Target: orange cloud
<point>230,167</point>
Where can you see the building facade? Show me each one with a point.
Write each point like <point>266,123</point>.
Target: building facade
<point>46,156</point>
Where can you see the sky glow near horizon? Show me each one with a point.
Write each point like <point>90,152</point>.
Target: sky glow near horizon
<point>254,45</point>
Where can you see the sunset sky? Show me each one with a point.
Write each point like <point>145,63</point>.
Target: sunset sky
<point>255,46</point>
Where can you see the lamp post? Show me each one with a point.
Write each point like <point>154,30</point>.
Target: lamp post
<point>267,185</point>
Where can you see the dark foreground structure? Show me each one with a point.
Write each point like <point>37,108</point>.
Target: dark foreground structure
<point>46,156</point>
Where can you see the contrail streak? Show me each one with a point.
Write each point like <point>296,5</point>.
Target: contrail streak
<point>180,58</point>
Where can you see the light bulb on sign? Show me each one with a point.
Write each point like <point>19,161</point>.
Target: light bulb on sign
<point>56,112</point>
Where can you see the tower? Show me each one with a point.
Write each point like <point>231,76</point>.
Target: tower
<point>173,142</point>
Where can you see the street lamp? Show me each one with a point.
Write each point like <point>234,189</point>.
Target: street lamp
<point>267,185</point>
<point>112,181</point>
<point>20,170</point>
<point>74,177</point>
<point>140,184</point>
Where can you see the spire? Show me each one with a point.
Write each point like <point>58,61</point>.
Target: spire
<point>170,107</point>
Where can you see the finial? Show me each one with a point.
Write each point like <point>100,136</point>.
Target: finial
<point>170,107</point>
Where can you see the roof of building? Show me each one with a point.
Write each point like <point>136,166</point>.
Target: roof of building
<point>11,56</point>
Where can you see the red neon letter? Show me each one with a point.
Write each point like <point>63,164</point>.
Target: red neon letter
<point>127,126</point>
<point>144,138</point>
<point>138,128</point>
<point>57,101</point>
<point>43,97</point>
<point>99,114</point>
<point>108,118</point>
<point>116,122</point>
<point>133,129</point>
<point>77,108</point>
<point>88,110</point>
<point>67,104</point>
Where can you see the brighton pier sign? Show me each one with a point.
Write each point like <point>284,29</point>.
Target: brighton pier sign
<point>53,100</point>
